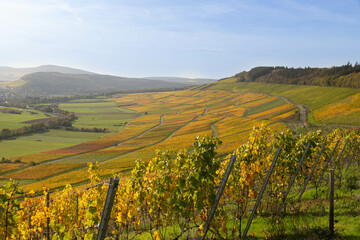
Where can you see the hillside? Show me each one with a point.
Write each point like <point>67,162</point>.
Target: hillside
<point>326,105</point>
<point>195,81</point>
<point>341,76</point>
<point>68,84</point>
<point>11,73</point>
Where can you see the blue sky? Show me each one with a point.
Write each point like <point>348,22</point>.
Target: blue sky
<point>200,38</point>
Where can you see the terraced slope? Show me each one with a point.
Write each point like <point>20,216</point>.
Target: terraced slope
<point>328,105</point>
<point>167,120</point>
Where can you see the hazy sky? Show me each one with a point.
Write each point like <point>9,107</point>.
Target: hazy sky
<point>198,38</point>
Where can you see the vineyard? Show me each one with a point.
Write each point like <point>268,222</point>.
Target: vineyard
<point>170,196</point>
<point>149,122</point>
<point>59,192</point>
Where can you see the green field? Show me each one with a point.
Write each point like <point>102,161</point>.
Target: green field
<point>90,114</point>
<point>97,114</point>
<point>39,142</point>
<point>12,121</point>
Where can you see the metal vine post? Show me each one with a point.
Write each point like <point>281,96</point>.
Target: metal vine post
<point>267,178</point>
<point>218,195</point>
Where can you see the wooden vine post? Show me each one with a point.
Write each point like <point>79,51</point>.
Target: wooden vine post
<point>109,202</point>
<point>331,210</point>
<point>48,218</point>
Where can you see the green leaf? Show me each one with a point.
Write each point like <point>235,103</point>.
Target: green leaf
<point>92,209</point>
<point>62,229</point>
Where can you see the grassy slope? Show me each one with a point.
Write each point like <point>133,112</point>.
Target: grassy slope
<point>312,96</point>
<point>9,120</point>
<point>53,139</point>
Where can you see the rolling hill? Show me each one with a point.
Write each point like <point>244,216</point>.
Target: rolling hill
<point>195,81</point>
<point>47,83</point>
<point>12,74</point>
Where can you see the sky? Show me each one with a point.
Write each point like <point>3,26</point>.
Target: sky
<point>198,38</point>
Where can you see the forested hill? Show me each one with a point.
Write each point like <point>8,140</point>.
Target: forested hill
<point>342,76</point>
<point>51,83</point>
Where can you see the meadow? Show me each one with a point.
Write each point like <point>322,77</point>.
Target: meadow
<point>11,121</point>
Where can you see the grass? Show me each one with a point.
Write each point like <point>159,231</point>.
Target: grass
<point>12,121</point>
<point>53,139</point>
<point>312,96</point>
<point>104,114</point>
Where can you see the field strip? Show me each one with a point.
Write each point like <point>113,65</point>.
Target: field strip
<point>76,155</point>
<point>121,155</point>
<point>246,112</point>
<point>163,140</point>
<point>132,138</point>
<point>158,142</point>
<point>195,118</point>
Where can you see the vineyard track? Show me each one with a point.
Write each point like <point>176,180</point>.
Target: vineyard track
<point>303,114</point>
<point>246,112</point>
<point>163,140</point>
<point>195,118</point>
<point>215,132</point>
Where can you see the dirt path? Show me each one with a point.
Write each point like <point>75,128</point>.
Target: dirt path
<point>246,112</point>
<point>303,114</point>
<point>215,132</point>
<point>163,140</point>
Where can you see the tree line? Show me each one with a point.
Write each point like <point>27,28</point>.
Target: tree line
<point>347,75</point>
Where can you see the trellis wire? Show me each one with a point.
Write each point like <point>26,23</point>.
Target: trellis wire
<point>328,161</point>
<point>282,204</point>
<point>312,170</point>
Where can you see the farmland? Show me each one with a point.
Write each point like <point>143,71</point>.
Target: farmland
<point>139,124</point>
<point>146,125</point>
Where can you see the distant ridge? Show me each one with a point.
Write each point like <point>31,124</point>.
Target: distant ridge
<point>195,81</point>
<point>53,83</point>
<point>12,74</point>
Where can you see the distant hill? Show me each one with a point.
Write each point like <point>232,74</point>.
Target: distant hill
<point>195,81</point>
<point>53,83</point>
<point>12,74</point>
<point>342,76</point>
